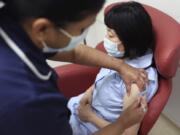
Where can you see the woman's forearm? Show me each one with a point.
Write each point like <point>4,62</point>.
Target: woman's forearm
<point>98,122</point>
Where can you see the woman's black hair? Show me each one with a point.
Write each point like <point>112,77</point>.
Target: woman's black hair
<point>133,26</point>
<point>60,12</point>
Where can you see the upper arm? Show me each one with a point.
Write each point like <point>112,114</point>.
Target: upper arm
<point>128,100</point>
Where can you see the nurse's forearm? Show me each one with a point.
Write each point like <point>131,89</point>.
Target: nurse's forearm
<point>115,128</point>
<point>89,56</point>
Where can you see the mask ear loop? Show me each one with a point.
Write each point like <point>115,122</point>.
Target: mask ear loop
<point>45,46</point>
<point>43,43</point>
<point>66,33</point>
<point>70,36</point>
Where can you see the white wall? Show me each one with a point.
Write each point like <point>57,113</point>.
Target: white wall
<point>172,109</point>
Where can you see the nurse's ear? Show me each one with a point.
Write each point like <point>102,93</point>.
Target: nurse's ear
<point>38,30</point>
<point>42,30</point>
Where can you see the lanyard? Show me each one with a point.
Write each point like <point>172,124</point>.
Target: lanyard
<point>23,56</point>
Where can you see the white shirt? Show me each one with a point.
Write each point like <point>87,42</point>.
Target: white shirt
<point>110,88</point>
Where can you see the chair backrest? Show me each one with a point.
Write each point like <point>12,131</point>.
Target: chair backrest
<point>167,48</point>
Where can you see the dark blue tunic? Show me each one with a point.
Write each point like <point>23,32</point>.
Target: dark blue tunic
<point>28,105</point>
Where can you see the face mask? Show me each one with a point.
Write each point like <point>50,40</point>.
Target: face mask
<point>75,40</point>
<point>112,48</point>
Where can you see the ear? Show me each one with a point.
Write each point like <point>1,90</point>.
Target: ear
<point>40,28</point>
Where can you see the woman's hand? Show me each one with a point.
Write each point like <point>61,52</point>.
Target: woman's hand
<point>84,109</point>
<point>87,115</point>
<point>87,97</point>
<point>85,112</point>
<point>133,75</point>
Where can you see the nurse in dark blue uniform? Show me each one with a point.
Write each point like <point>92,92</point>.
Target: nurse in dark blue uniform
<point>32,31</point>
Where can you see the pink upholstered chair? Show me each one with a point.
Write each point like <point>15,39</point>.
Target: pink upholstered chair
<point>74,79</point>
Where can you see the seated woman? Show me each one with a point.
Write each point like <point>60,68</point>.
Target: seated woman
<point>130,37</point>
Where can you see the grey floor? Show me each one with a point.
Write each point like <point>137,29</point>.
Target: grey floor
<point>164,127</point>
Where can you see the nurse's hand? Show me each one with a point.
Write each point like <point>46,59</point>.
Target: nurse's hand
<point>135,113</point>
<point>132,75</point>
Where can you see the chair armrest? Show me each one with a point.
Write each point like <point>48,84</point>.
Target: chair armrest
<point>156,105</point>
<point>75,79</point>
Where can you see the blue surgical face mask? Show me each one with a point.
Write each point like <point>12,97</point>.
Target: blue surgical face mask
<point>75,40</point>
<point>112,48</point>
